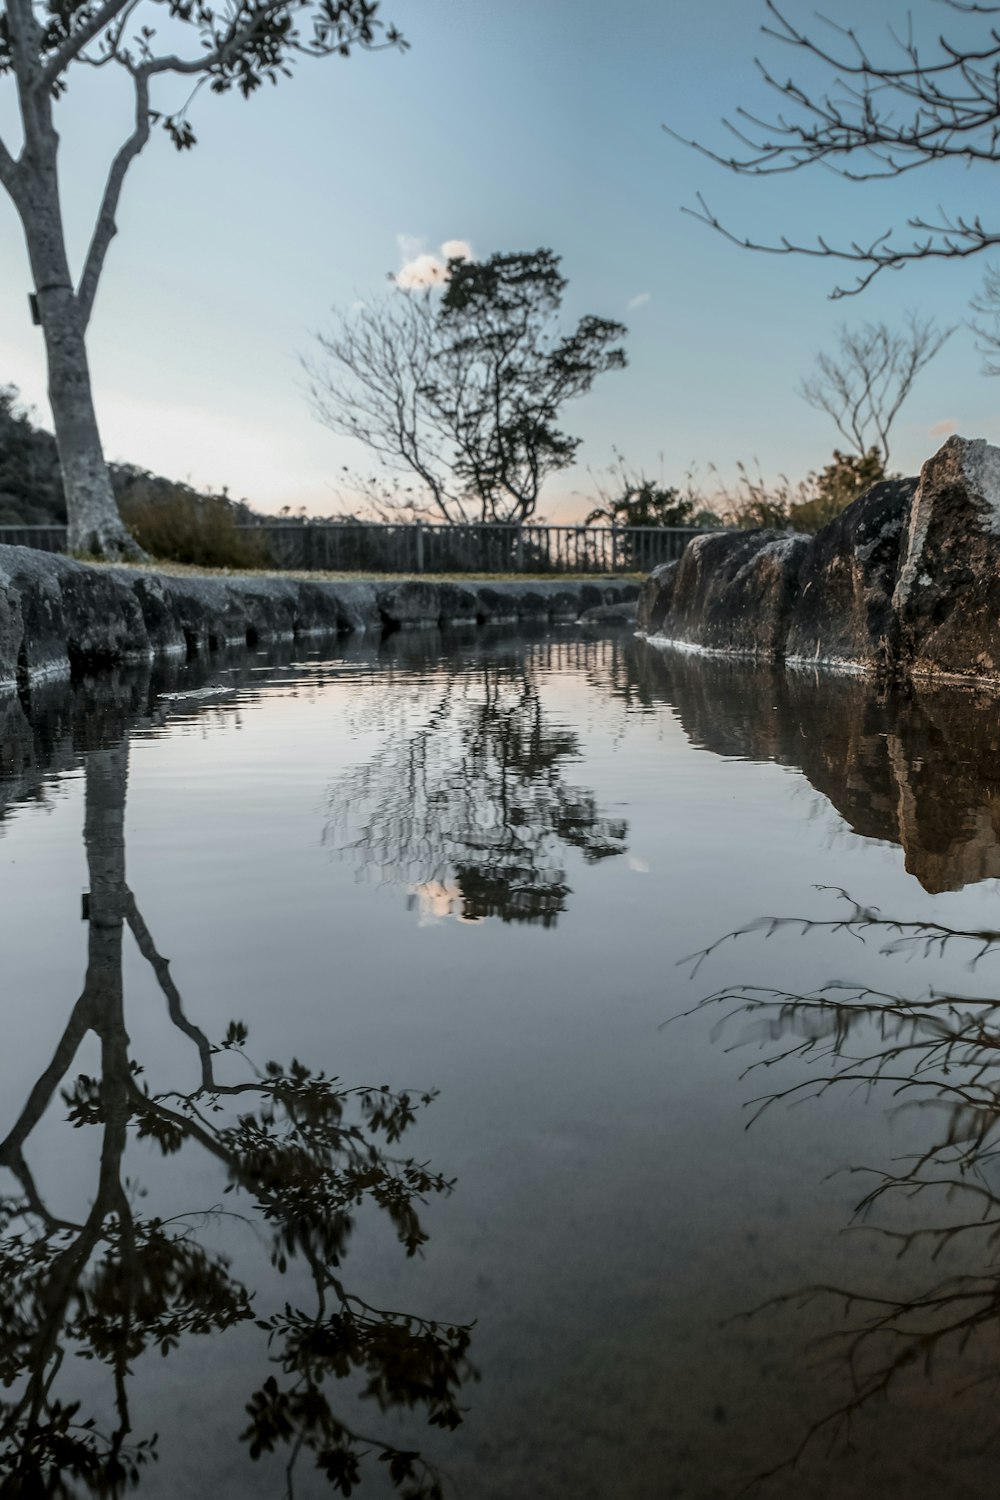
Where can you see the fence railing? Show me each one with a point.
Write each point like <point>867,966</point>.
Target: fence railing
<point>358,547</point>
<point>44,538</point>
<point>416,548</point>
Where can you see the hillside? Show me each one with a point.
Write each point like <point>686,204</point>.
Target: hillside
<point>31,492</point>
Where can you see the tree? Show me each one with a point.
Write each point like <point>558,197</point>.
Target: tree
<point>636,500</point>
<point>460,387</point>
<point>238,45</point>
<point>878,117</point>
<point>864,387</point>
<point>841,481</point>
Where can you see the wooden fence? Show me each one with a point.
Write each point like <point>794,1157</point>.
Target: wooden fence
<point>352,547</point>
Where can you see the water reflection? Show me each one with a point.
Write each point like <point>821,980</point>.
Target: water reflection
<point>936,1206</point>
<point>919,768</point>
<point>300,1155</point>
<point>467,802</point>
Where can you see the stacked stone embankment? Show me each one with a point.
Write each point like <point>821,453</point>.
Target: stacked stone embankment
<point>905,581</point>
<point>57,614</point>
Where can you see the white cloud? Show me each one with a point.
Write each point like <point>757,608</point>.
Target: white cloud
<point>420,268</point>
<point>943,429</point>
<point>423,270</point>
<point>457,250</point>
<point>639,300</point>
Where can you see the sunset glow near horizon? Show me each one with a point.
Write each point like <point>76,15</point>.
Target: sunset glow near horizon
<point>506,131</point>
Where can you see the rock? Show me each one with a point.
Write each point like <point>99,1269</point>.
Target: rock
<point>494,605</point>
<point>72,616</point>
<point>159,612</point>
<point>57,615</point>
<point>11,633</point>
<point>411,603</point>
<point>459,604</point>
<point>947,597</point>
<point>210,613</point>
<point>733,591</point>
<point>843,608</point>
<point>352,602</point>
<point>656,598</point>
<point>623,613</point>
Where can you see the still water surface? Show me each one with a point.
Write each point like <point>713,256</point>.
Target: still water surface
<point>355,1061</point>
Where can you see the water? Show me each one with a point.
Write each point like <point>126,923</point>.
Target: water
<point>482,868</point>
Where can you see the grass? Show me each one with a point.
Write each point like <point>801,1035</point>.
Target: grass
<point>190,570</point>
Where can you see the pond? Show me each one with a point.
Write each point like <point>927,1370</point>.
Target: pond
<point>414,1079</point>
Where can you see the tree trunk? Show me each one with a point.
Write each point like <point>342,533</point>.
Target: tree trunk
<point>94,525</point>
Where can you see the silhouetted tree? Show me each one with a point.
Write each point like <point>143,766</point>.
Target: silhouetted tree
<point>864,385</point>
<point>460,386</point>
<point>240,45</point>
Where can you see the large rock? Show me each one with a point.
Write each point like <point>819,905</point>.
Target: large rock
<point>71,616</point>
<point>733,591</point>
<point>656,598</point>
<point>11,632</point>
<point>947,597</point>
<point>843,608</point>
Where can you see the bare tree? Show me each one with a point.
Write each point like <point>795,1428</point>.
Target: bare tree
<point>863,386</point>
<point>460,387</point>
<point>238,45</point>
<point>878,116</point>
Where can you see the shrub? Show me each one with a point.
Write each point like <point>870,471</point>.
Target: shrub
<point>176,524</point>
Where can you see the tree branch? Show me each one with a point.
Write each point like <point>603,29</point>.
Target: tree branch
<point>105,227</point>
<point>74,44</point>
<point>8,169</point>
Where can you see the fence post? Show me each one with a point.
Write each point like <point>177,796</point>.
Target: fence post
<point>614,548</point>
<point>420,548</point>
<point>520,547</point>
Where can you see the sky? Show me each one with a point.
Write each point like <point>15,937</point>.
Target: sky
<point>508,127</point>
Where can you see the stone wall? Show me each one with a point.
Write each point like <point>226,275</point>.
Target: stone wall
<point>57,615</point>
<point>906,581</point>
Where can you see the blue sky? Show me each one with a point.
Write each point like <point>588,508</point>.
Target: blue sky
<point>511,127</point>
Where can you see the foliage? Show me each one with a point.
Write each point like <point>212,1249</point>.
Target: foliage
<point>780,505</point>
<point>836,486</point>
<point>636,500</point>
<point>460,388</point>
<point>174,522</point>
<point>31,490</point>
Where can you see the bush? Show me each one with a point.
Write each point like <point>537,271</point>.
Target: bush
<point>807,506</point>
<point>176,524</point>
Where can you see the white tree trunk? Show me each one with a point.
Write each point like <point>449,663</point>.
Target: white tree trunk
<point>94,525</point>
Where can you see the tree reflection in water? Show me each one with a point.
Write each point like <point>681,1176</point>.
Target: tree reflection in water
<point>937,1055</point>
<point>471,809</point>
<point>302,1152</point>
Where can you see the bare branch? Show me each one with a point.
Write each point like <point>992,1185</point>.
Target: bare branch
<point>876,117</point>
<point>863,390</point>
<point>105,227</point>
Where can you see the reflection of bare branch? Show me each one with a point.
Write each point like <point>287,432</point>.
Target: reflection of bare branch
<point>937,1054</point>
